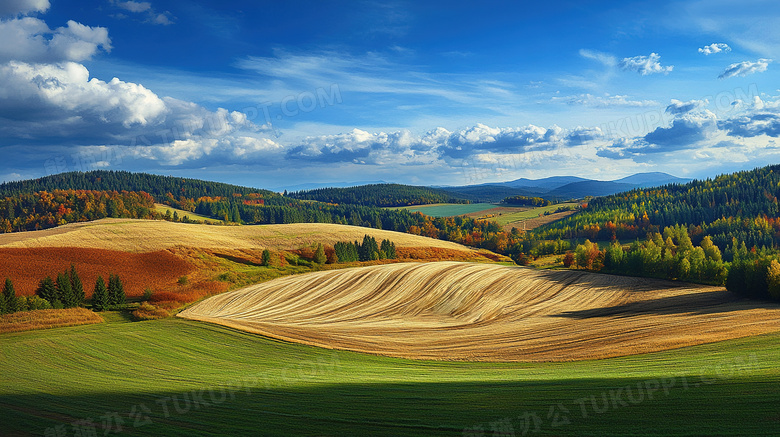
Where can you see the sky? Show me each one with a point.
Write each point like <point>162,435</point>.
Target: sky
<point>278,94</point>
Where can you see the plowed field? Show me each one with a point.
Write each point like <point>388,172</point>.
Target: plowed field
<point>154,270</point>
<point>461,311</point>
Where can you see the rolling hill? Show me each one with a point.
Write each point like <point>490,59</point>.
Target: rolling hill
<point>562,187</point>
<point>461,311</point>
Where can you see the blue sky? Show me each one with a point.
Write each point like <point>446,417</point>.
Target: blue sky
<point>275,94</point>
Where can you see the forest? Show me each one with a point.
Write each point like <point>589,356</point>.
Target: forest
<point>378,195</point>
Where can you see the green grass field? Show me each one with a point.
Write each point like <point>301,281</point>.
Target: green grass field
<point>505,219</point>
<point>449,209</point>
<point>177,377</point>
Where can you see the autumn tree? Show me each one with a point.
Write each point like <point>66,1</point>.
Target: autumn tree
<point>319,255</point>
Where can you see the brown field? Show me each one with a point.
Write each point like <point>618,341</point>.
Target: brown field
<point>129,235</point>
<point>43,319</point>
<point>155,270</point>
<point>462,311</point>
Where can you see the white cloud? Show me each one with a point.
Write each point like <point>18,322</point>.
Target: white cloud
<point>145,8</point>
<point>645,65</point>
<point>605,58</point>
<point>133,6</point>
<point>15,7</point>
<point>605,101</point>
<point>679,107</point>
<point>66,92</point>
<point>715,48</point>
<point>30,39</point>
<point>745,68</point>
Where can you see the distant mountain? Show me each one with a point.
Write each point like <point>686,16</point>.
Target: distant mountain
<point>316,185</point>
<point>578,190</point>
<point>562,187</point>
<point>653,179</point>
<point>550,183</point>
<point>488,193</point>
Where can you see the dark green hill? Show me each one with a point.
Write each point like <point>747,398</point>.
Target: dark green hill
<point>101,180</point>
<point>379,195</point>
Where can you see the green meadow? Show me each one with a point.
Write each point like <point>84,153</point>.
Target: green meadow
<point>178,377</point>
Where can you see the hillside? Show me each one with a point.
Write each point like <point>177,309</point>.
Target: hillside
<point>103,180</point>
<point>466,311</point>
<point>379,195</point>
<point>138,236</point>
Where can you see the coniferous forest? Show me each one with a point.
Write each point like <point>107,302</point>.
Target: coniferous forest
<point>379,195</point>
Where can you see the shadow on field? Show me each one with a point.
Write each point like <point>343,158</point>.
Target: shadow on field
<point>670,406</point>
<point>715,302</point>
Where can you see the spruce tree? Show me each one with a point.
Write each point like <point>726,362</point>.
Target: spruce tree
<point>8,290</point>
<point>100,295</point>
<point>266,257</point>
<point>47,290</point>
<point>116,292</point>
<point>65,290</point>
<point>77,287</point>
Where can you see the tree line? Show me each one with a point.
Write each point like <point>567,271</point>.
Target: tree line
<point>66,291</point>
<point>527,201</point>
<point>378,195</point>
<point>368,250</point>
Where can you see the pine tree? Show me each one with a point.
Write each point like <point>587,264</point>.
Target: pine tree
<point>116,292</point>
<point>266,257</point>
<point>65,290</point>
<point>100,295</point>
<point>4,299</point>
<point>319,255</point>
<point>48,291</point>
<point>77,287</point>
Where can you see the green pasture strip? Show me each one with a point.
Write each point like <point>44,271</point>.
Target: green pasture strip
<point>178,377</point>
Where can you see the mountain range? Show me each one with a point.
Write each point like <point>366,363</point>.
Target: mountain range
<point>561,187</point>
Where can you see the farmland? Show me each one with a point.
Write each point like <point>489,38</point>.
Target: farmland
<point>161,378</point>
<point>162,209</point>
<point>129,235</point>
<point>462,311</point>
<point>450,209</point>
<point>157,270</point>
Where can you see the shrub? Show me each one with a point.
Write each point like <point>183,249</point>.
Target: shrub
<point>37,303</point>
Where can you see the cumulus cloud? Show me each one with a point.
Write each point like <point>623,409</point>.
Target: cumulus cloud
<point>63,93</point>
<point>687,129</point>
<point>29,39</point>
<point>678,107</point>
<point>645,65</point>
<point>715,48</point>
<point>745,68</point>
<point>15,7</point>
<point>402,147</point>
